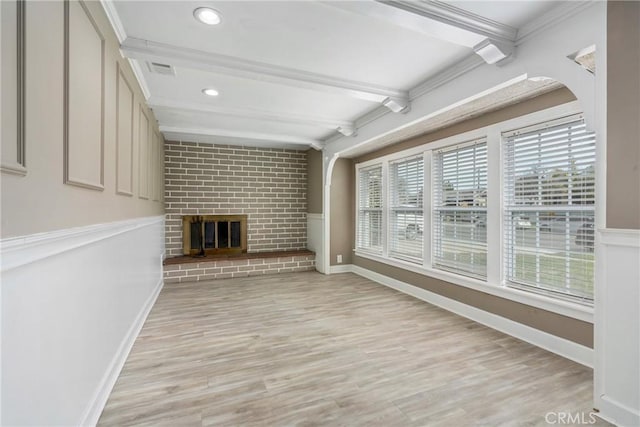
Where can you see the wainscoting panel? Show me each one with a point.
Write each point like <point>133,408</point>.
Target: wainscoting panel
<point>617,327</point>
<point>83,98</point>
<point>315,242</point>
<point>124,135</point>
<point>73,302</point>
<point>143,153</point>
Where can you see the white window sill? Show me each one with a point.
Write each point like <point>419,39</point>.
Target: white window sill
<point>565,308</point>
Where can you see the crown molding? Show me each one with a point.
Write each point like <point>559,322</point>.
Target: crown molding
<point>248,138</point>
<point>551,18</point>
<point>114,19</point>
<point>237,67</point>
<point>137,71</point>
<point>469,63</point>
<point>457,18</point>
<point>116,24</point>
<point>491,40</point>
<point>156,102</point>
<point>371,116</point>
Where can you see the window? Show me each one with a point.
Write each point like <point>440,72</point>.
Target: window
<point>369,234</point>
<point>460,209</point>
<point>549,208</point>
<point>406,215</point>
<point>501,209</point>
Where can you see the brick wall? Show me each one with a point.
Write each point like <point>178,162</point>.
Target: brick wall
<point>268,185</point>
<point>225,269</point>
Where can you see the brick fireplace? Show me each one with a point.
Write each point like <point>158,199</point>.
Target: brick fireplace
<point>266,186</point>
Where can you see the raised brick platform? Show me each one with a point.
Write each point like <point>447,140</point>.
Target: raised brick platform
<point>189,269</point>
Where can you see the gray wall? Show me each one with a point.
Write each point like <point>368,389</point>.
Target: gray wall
<point>314,181</point>
<point>342,211</point>
<point>565,327</point>
<point>623,114</point>
<point>115,171</point>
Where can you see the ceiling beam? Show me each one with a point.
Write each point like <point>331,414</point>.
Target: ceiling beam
<point>242,135</point>
<point>492,41</point>
<point>246,113</point>
<point>457,18</point>
<point>147,50</point>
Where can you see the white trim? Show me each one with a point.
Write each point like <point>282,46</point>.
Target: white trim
<point>342,268</point>
<point>495,235</point>
<point>620,237</point>
<point>289,139</point>
<point>137,71</point>
<point>114,19</point>
<point>250,113</point>
<point>555,16</point>
<point>18,251</point>
<point>427,206</point>
<point>116,24</point>
<point>565,348</point>
<point>435,19</point>
<point>464,66</point>
<point>101,395</point>
<point>616,381</point>
<point>460,19</point>
<point>386,230</point>
<point>369,117</point>
<point>565,308</point>
<point>148,50</point>
<point>315,242</point>
<point>530,119</point>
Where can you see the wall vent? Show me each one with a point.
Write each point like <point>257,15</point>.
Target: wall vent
<point>159,68</point>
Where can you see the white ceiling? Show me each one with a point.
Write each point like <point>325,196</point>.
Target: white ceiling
<point>293,73</point>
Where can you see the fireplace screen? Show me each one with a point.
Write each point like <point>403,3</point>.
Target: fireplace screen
<point>214,234</point>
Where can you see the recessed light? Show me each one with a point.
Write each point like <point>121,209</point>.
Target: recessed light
<point>210,92</point>
<point>208,16</point>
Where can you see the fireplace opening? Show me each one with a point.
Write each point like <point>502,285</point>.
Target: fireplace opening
<point>214,234</point>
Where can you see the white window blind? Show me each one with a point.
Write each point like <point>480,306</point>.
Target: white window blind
<point>549,208</point>
<point>460,209</point>
<point>406,209</point>
<point>369,234</point>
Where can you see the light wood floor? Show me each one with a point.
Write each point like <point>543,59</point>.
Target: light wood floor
<point>340,350</point>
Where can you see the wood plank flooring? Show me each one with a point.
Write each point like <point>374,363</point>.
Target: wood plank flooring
<point>309,349</point>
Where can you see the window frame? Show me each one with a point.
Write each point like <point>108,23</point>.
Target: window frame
<point>382,209</point>
<point>392,208</point>
<point>495,283</point>
<point>438,208</point>
<point>509,209</point>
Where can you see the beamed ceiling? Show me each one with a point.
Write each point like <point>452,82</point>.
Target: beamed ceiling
<point>296,74</point>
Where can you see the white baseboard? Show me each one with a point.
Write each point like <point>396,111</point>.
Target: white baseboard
<point>565,348</point>
<point>342,268</point>
<point>99,400</point>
